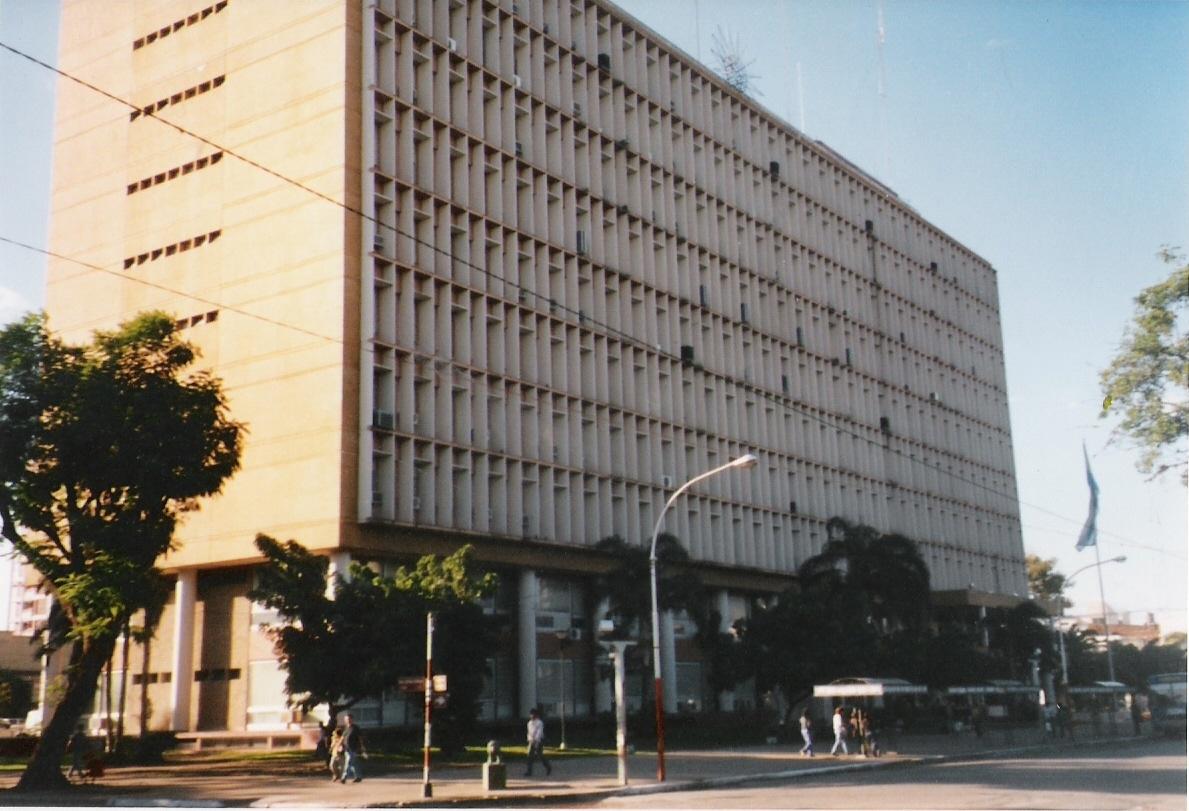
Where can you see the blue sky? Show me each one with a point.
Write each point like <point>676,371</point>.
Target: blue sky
<point>1049,137</point>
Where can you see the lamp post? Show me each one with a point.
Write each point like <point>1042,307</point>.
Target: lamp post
<point>745,461</point>
<point>1106,627</point>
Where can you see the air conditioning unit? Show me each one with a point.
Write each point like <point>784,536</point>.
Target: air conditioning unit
<point>377,498</point>
<point>545,28</point>
<point>452,44</point>
<point>526,524</point>
<point>577,110</point>
<point>416,418</point>
<point>581,245</point>
<point>666,481</point>
<point>575,634</point>
<point>378,242</point>
<point>604,61</point>
<point>416,504</point>
<point>383,419</point>
<point>519,150</point>
<point>516,80</point>
<point>934,397</point>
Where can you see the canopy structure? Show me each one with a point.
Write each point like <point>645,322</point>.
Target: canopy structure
<point>1100,688</point>
<point>867,687</point>
<point>992,689</point>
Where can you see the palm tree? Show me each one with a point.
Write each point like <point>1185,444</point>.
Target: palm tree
<point>883,575</point>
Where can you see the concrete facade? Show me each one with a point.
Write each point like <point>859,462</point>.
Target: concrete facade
<point>508,274</point>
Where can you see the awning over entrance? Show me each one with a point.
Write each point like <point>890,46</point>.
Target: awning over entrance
<point>863,687</point>
<point>1100,688</point>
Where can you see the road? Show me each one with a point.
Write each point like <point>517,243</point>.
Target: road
<point>1148,775</point>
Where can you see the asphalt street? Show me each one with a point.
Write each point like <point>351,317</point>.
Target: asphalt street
<point>1147,775</point>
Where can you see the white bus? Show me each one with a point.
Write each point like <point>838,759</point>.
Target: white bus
<point>1166,701</point>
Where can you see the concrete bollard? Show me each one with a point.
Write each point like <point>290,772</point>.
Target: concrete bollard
<point>495,773</point>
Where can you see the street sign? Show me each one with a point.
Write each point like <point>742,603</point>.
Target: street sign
<point>411,684</point>
<point>416,684</point>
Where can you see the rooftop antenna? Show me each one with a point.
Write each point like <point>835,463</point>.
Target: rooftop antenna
<point>881,35</point>
<point>730,64</point>
<point>800,96</point>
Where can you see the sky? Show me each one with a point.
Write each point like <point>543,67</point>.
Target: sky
<point>1048,137</point>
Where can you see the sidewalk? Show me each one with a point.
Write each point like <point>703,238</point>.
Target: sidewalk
<point>574,780</point>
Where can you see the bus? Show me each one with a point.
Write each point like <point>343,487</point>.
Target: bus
<point>1166,702</point>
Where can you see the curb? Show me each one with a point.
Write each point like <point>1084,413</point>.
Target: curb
<point>539,798</point>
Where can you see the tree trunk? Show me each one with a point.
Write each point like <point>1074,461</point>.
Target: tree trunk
<point>45,767</point>
<point>144,681</point>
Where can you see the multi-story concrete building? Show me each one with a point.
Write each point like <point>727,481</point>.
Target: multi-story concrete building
<point>507,273</point>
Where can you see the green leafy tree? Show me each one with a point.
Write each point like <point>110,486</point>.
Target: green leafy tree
<point>1044,582</point>
<point>356,642</point>
<point>1147,383</point>
<point>103,449</point>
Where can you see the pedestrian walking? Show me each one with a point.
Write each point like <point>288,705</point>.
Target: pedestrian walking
<point>807,732</point>
<point>536,743</point>
<point>336,755</point>
<point>839,732</point>
<point>352,751</point>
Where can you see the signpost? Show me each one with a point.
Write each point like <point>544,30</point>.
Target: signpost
<point>428,683</point>
<point>618,648</point>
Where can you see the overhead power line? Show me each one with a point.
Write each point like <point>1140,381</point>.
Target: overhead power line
<point>580,319</point>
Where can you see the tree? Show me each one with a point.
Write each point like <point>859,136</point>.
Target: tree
<point>1147,382</point>
<point>1044,582</point>
<point>358,641</point>
<point>883,574</point>
<point>16,695</point>
<point>103,449</point>
<point>861,606</point>
<point>627,588</point>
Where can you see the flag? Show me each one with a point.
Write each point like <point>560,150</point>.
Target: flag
<point>1089,534</point>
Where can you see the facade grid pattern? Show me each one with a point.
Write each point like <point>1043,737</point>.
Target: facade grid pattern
<point>594,271</point>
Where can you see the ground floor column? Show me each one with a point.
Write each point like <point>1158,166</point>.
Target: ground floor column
<point>526,612</point>
<point>604,697</point>
<point>669,661</point>
<point>726,699</point>
<point>184,599</point>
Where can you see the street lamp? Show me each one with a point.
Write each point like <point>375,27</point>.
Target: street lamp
<point>745,461</point>
<point>1106,627</point>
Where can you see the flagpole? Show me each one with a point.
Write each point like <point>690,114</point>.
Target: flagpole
<point>1106,625</point>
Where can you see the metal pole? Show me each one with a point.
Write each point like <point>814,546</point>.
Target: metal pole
<point>747,460</point>
<point>658,683</point>
<point>1106,626</point>
<point>562,653</point>
<point>1064,660</point>
<point>621,712</point>
<point>426,786</point>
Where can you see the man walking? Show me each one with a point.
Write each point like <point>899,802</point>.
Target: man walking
<point>536,742</point>
<point>352,750</point>
<point>839,732</point>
